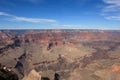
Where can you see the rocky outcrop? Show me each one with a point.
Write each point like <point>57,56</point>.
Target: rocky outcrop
<point>24,65</point>
<point>7,74</point>
<point>32,75</point>
<point>6,38</point>
<point>116,67</point>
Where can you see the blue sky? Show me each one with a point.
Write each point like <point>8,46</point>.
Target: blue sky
<point>60,14</point>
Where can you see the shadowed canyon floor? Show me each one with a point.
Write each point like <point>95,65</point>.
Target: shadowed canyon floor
<point>72,54</point>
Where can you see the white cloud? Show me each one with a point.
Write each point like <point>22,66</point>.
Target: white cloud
<point>26,19</point>
<point>4,14</point>
<point>35,20</point>
<point>116,2</point>
<point>113,17</point>
<point>112,9</point>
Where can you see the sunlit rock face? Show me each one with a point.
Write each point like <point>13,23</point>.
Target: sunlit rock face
<point>57,37</point>
<point>116,68</point>
<point>6,38</point>
<point>32,75</point>
<point>71,36</point>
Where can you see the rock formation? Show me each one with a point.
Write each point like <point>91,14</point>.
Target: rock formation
<point>32,75</point>
<point>59,37</point>
<point>73,54</point>
<point>24,65</point>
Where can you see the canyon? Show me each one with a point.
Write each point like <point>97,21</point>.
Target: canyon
<point>71,54</point>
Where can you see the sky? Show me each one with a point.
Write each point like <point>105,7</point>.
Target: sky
<point>60,14</point>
